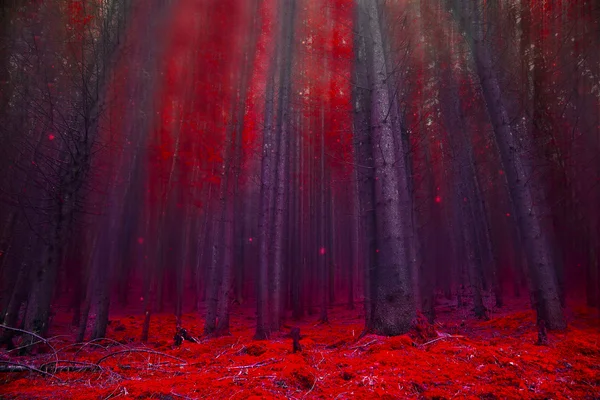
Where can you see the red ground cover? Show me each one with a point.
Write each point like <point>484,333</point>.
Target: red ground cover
<point>458,357</point>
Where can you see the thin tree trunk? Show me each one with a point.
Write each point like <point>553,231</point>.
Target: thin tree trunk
<point>283,133</point>
<point>322,223</point>
<point>537,244</point>
<point>266,190</point>
<point>218,249</point>
<point>363,156</point>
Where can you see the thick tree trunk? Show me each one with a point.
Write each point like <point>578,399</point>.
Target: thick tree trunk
<point>393,308</point>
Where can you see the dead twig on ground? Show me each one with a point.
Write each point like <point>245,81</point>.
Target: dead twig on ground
<point>440,338</point>
<point>113,394</point>
<point>221,353</point>
<point>93,343</point>
<point>258,364</point>
<point>179,395</point>
<point>158,353</point>
<point>32,334</point>
<point>77,366</point>
<point>363,345</point>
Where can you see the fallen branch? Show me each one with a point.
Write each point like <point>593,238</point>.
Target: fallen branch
<point>77,366</point>
<point>45,341</point>
<point>238,376</point>
<point>40,339</point>
<point>158,353</point>
<point>363,345</point>
<point>16,367</point>
<point>16,349</point>
<point>23,331</point>
<point>180,395</point>
<point>92,343</point>
<point>259,364</point>
<point>440,338</point>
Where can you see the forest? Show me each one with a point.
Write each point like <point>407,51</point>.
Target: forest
<point>341,199</point>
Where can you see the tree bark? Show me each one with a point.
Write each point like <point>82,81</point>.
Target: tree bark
<point>283,132</point>
<point>363,157</point>
<point>521,186</point>
<point>266,192</point>
<point>393,308</point>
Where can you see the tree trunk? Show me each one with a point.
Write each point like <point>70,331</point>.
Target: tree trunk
<point>363,157</point>
<point>464,190</point>
<point>322,223</point>
<point>218,250</point>
<point>282,182</point>
<point>393,309</point>
<point>266,191</point>
<point>521,186</point>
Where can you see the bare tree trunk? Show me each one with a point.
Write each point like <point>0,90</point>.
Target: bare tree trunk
<point>363,156</point>
<point>355,241</point>
<point>218,248</point>
<point>202,246</point>
<point>522,188</point>
<point>322,223</point>
<point>266,190</point>
<point>432,235</point>
<point>464,191</point>
<point>394,309</point>
<point>283,132</point>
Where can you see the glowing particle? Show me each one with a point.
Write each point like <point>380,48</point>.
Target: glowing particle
<point>250,240</point>
<point>438,199</point>
<point>141,240</point>
<point>51,137</point>
<point>508,214</point>
<point>322,250</point>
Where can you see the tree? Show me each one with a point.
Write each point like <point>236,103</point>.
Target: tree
<point>522,188</point>
<point>393,309</point>
<point>288,10</point>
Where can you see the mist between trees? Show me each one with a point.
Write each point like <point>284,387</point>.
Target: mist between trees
<point>179,156</point>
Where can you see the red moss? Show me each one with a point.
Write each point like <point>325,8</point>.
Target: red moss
<point>494,359</point>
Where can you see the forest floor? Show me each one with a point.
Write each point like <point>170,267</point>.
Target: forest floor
<point>459,357</point>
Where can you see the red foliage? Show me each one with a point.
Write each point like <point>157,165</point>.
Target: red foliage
<point>469,359</point>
